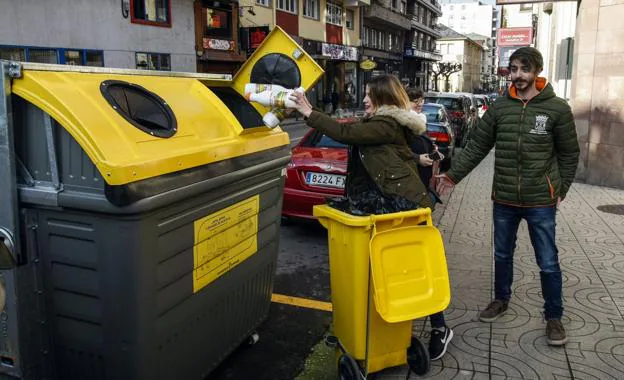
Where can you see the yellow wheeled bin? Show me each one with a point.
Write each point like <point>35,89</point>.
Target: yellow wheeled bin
<point>385,271</point>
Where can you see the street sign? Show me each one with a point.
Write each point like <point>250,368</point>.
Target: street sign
<point>514,37</point>
<point>368,65</point>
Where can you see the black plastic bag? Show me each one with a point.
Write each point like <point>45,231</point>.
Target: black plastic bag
<point>371,202</point>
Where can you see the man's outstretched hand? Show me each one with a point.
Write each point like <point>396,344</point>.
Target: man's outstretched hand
<point>445,184</point>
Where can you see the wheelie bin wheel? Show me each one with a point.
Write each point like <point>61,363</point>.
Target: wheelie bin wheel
<point>348,369</point>
<point>418,357</point>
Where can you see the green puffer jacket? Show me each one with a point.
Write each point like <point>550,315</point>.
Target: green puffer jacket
<point>537,149</point>
<point>381,143</point>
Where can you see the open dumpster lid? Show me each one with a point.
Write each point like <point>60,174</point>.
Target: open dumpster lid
<point>409,273</point>
<point>187,126</point>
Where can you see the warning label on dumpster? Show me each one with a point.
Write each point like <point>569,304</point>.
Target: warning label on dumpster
<point>223,240</point>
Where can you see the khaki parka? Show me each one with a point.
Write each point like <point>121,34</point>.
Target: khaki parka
<point>382,146</point>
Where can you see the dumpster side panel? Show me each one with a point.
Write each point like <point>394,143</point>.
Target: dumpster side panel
<point>119,289</point>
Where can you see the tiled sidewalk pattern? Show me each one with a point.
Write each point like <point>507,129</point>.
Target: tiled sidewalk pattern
<point>591,245</point>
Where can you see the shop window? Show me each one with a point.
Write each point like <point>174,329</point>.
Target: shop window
<point>74,57</point>
<point>287,5</point>
<point>153,61</point>
<point>152,12</point>
<point>12,53</point>
<point>264,3</point>
<point>43,55</point>
<point>350,19</point>
<point>311,8</point>
<point>334,14</point>
<point>94,58</point>
<point>218,23</point>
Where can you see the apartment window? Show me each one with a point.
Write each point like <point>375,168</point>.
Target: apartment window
<point>311,9</point>
<point>403,7</point>
<point>13,53</point>
<point>153,12</point>
<point>463,7</point>
<point>153,61</point>
<point>287,5</point>
<point>451,7</point>
<point>382,40</point>
<point>94,58</point>
<point>334,14</point>
<point>350,19</point>
<point>43,55</point>
<point>395,4</point>
<point>264,3</point>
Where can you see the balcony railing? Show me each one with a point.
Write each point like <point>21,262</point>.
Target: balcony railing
<point>416,24</point>
<point>433,5</point>
<point>386,16</point>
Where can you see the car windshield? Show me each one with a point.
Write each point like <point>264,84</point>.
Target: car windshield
<point>432,113</point>
<point>452,104</point>
<point>322,141</point>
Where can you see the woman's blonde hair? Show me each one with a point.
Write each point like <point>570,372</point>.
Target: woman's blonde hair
<point>387,90</point>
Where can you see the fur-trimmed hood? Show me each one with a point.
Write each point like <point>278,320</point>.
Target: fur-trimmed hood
<point>407,118</point>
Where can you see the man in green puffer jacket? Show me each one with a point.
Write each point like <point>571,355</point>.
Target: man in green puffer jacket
<point>536,157</point>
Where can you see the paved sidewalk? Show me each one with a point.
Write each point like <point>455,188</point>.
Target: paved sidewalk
<point>591,244</point>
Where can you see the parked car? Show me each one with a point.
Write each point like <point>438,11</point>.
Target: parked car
<point>440,130</point>
<point>317,170</point>
<point>459,107</point>
<point>483,102</point>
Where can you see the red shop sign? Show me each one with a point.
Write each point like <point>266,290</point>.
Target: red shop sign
<point>514,37</point>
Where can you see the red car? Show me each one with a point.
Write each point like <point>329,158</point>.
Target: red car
<point>318,170</point>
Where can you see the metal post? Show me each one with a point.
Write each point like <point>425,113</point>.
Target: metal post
<point>8,185</point>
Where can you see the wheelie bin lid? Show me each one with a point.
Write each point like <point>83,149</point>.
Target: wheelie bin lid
<point>191,125</point>
<point>409,272</point>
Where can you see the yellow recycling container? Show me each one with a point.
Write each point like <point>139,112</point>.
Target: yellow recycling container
<point>385,271</point>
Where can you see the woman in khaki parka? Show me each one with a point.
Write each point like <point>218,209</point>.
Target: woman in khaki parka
<point>380,151</point>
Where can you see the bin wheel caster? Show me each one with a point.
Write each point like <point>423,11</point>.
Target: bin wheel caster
<point>253,338</point>
<point>348,369</point>
<point>418,357</point>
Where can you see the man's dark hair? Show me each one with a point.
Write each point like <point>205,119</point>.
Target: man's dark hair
<point>530,57</point>
<point>415,93</point>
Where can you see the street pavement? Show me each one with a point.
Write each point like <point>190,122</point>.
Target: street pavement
<point>591,249</point>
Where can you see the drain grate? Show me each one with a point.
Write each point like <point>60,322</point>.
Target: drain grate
<point>612,209</point>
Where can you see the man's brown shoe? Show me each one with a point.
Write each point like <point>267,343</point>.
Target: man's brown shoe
<point>494,310</point>
<point>555,333</point>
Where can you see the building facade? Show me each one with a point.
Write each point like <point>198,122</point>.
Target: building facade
<point>456,47</point>
<point>420,43</point>
<point>478,21</point>
<point>596,92</point>
<point>149,34</point>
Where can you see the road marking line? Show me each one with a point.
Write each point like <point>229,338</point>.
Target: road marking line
<point>301,302</point>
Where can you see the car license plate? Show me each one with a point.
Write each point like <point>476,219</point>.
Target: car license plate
<point>327,180</point>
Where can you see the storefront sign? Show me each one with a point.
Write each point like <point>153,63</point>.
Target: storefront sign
<point>214,44</point>
<point>368,65</point>
<point>507,2</point>
<point>340,52</point>
<point>423,54</point>
<point>257,35</point>
<point>514,36</point>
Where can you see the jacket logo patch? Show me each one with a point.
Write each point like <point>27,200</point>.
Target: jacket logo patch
<point>540,125</point>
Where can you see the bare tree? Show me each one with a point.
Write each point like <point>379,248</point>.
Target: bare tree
<point>444,69</point>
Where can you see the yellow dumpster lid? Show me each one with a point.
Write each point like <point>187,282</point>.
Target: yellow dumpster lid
<point>278,60</point>
<point>205,129</point>
<point>409,273</point>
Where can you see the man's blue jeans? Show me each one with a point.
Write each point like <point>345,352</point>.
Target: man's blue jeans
<point>541,223</point>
